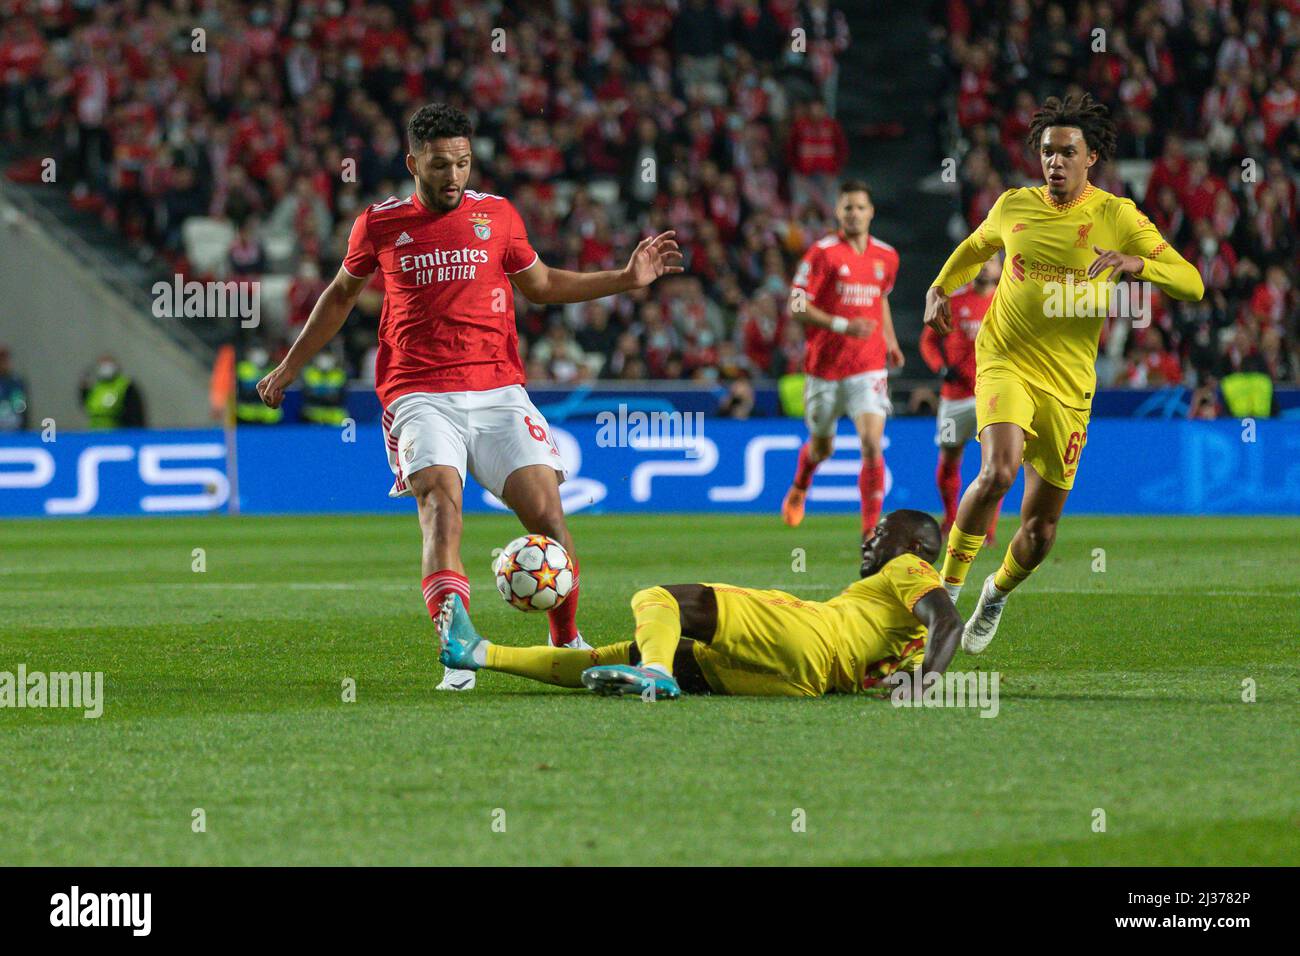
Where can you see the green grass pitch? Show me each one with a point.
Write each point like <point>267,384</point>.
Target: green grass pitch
<point>1121,691</point>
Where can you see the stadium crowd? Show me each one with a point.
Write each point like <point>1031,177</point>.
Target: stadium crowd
<point>1207,99</point>
<point>291,118</point>
<point>696,115</point>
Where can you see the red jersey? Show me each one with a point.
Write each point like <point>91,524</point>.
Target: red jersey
<point>956,350</point>
<point>851,285</point>
<point>448,323</point>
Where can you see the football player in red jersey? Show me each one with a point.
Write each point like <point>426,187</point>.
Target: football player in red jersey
<point>448,372</point>
<point>952,357</point>
<point>840,294</point>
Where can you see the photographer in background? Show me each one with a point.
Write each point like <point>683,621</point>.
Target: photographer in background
<point>110,398</point>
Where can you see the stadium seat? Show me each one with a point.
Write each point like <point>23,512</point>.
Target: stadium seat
<point>207,243</point>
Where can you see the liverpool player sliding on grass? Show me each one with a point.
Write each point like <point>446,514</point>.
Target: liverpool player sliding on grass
<point>841,295</point>
<point>448,372</point>
<point>1035,376</point>
<point>722,639</point>
<point>952,356</point>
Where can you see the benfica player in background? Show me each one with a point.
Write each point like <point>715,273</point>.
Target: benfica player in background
<point>448,372</point>
<point>841,295</point>
<point>952,357</point>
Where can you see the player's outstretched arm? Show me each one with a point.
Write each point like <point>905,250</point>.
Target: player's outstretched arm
<point>936,611</point>
<point>327,317</point>
<point>653,257</point>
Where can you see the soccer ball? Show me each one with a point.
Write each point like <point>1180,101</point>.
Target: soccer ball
<point>534,573</point>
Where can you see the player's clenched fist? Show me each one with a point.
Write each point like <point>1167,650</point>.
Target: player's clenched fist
<point>272,387</point>
<point>938,314</point>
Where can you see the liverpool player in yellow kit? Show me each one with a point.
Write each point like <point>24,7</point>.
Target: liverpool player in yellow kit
<point>716,638</point>
<point>1066,240</point>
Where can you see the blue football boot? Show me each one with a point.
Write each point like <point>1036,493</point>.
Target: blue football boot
<point>646,682</point>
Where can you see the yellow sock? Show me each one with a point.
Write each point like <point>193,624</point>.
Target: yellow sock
<point>962,548</point>
<point>562,666</point>
<point>658,626</point>
<point>1011,573</point>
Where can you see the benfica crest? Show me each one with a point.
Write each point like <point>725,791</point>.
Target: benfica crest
<point>482,226</point>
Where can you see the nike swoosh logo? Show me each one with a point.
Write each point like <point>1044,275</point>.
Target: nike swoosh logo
<point>461,686</point>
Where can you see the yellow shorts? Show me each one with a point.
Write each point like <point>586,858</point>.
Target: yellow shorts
<point>1054,433</point>
<point>768,643</point>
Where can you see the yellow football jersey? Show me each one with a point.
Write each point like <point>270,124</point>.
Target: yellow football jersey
<point>1046,315</point>
<point>877,633</point>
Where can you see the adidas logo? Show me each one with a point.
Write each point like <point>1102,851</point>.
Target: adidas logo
<point>1017,227</point>
<point>845,270</point>
<point>402,240</point>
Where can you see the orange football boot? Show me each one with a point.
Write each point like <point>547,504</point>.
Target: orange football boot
<point>792,507</point>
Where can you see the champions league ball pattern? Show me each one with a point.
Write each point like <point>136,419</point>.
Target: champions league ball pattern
<point>534,573</point>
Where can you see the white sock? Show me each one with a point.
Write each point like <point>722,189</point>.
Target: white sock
<point>994,594</point>
<point>954,591</point>
<point>657,667</point>
<point>480,653</point>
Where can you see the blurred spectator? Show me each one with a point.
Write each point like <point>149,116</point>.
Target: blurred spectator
<point>14,399</point>
<point>254,365</point>
<point>1205,402</point>
<point>324,390</point>
<point>559,356</point>
<point>818,152</point>
<point>109,397</point>
<point>305,289</point>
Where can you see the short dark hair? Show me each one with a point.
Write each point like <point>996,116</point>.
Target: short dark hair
<point>1091,118</point>
<point>924,528</point>
<point>855,186</point>
<point>436,121</point>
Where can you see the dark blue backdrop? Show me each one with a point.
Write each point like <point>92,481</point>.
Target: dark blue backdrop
<point>1128,467</point>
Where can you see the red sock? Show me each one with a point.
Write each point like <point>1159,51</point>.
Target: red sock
<point>948,478</point>
<point>441,583</point>
<point>803,475</point>
<point>871,485</point>
<point>563,619</point>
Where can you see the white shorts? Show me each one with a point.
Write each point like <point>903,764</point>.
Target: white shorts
<point>825,400</point>
<point>491,433</point>
<point>955,425</point>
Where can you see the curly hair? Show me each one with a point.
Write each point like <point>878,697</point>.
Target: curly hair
<point>436,121</point>
<point>1083,112</point>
